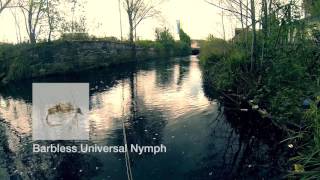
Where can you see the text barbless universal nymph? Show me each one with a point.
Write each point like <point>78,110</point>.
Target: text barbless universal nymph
<point>86,148</point>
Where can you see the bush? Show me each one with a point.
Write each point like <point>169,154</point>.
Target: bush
<point>75,37</point>
<point>146,44</point>
<point>214,49</point>
<point>281,80</point>
<point>165,45</point>
<point>184,37</point>
<point>182,48</point>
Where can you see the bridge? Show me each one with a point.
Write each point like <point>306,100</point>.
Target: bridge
<point>195,47</point>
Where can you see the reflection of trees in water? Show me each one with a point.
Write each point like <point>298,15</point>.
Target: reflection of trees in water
<point>63,165</point>
<point>15,155</point>
<point>143,126</point>
<point>242,148</point>
<point>165,71</point>
<point>76,166</point>
<point>100,80</point>
<point>251,149</point>
<point>208,88</point>
<point>183,70</point>
<point>20,162</point>
<point>164,74</point>
<point>5,152</point>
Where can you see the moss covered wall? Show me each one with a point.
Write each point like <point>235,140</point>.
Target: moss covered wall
<point>26,61</point>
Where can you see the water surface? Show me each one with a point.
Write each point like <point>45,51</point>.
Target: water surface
<point>161,102</point>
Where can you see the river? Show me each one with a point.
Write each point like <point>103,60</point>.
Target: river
<point>161,102</point>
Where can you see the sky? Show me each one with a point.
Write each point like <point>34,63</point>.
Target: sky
<point>198,19</point>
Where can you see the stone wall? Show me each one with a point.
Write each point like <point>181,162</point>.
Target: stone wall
<point>65,56</point>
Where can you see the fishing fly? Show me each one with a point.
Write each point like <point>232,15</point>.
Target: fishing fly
<point>63,109</point>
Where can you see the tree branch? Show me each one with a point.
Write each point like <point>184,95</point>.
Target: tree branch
<point>223,8</point>
<point>4,5</point>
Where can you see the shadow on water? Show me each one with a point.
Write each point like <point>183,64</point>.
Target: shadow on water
<point>252,148</point>
<point>160,102</point>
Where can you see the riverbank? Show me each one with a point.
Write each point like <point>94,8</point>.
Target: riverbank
<point>23,61</point>
<point>283,86</point>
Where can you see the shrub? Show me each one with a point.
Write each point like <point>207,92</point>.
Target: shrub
<point>214,49</point>
<point>75,36</point>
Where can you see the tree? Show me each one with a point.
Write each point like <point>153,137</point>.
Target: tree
<point>184,37</point>
<point>53,16</point>
<point>183,47</point>
<point>312,7</point>
<point>237,9</point>
<point>165,39</point>
<point>137,11</point>
<point>4,4</point>
<point>77,23</point>
<point>79,26</point>
<point>33,12</point>
<point>17,24</point>
<point>254,35</point>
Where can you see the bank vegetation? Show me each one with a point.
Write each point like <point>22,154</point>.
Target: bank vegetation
<point>273,62</point>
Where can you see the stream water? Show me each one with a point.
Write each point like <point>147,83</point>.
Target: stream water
<point>161,102</point>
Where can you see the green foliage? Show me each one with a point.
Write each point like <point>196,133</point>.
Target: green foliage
<point>146,44</point>
<point>165,40</point>
<point>224,61</point>
<point>165,45</point>
<point>111,39</point>
<point>75,37</point>
<point>312,7</point>
<point>181,48</point>
<point>214,49</point>
<point>285,72</point>
<point>309,155</point>
<point>85,37</point>
<point>184,37</point>
<point>74,52</point>
<point>32,60</point>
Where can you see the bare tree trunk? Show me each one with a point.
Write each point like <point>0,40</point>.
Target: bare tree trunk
<point>291,29</point>
<point>32,36</point>
<point>18,29</point>
<point>270,12</point>
<point>241,16</point>
<point>135,34</point>
<point>254,35</point>
<point>4,5</point>
<point>224,31</point>
<point>49,35</point>
<point>138,10</point>
<point>131,30</point>
<point>73,12</point>
<point>247,26</point>
<point>131,37</point>
<point>120,20</point>
<point>49,22</point>
<point>265,29</point>
<point>265,17</point>
<point>222,20</point>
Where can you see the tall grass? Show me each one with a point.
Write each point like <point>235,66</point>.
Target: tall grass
<point>308,157</point>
